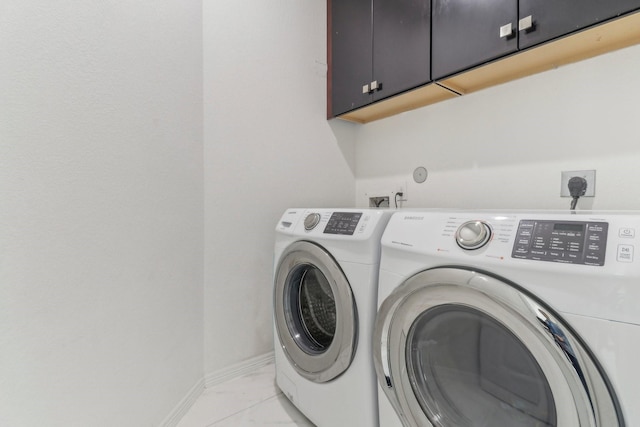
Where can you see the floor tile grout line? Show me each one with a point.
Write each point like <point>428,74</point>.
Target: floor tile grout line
<point>279,393</point>
<point>240,379</point>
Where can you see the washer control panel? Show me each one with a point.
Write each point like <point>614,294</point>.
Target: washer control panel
<point>343,223</point>
<point>571,242</point>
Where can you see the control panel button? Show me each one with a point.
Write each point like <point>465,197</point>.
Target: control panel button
<point>473,235</point>
<point>628,233</point>
<point>625,253</point>
<point>311,221</point>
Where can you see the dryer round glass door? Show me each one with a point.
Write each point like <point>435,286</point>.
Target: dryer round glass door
<point>460,348</point>
<point>315,313</point>
<point>471,367</point>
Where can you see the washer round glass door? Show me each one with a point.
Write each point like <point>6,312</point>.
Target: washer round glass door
<point>459,348</point>
<point>315,313</point>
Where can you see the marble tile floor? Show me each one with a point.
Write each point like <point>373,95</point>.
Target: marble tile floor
<point>246,401</point>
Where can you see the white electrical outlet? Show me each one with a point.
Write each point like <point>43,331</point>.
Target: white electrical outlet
<point>401,187</point>
<point>589,175</point>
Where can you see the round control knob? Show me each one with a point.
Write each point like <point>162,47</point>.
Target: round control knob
<point>473,235</point>
<point>311,221</point>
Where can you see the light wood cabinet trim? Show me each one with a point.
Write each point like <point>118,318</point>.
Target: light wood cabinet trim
<point>424,95</point>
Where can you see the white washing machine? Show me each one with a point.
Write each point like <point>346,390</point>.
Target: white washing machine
<point>509,319</point>
<point>325,300</point>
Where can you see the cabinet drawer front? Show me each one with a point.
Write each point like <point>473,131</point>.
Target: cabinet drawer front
<point>468,33</point>
<point>555,18</point>
<point>350,53</point>
<point>401,45</point>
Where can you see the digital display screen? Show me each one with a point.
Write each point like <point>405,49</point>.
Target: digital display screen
<point>568,227</point>
<point>343,223</point>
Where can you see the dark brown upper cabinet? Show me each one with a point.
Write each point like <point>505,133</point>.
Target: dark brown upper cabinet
<point>543,20</point>
<point>386,57</point>
<point>377,49</point>
<point>468,33</point>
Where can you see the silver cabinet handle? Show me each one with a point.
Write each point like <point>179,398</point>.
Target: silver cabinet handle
<point>525,23</point>
<point>372,87</point>
<point>506,30</point>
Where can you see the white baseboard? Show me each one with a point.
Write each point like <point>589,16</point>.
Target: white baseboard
<point>213,379</point>
<point>185,404</point>
<point>239,369</point>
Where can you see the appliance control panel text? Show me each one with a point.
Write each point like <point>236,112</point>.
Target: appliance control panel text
<point>572,242</point>
<point>343,223</point>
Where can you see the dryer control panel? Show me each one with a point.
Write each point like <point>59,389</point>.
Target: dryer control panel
<point>571,242</point>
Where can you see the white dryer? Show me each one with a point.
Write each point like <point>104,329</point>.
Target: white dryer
<point>509,319</point>
<point>325,300</point>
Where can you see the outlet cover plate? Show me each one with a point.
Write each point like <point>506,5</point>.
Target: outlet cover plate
<point>589,175</point>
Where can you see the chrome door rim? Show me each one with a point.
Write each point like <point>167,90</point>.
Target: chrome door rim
<point>337,358</point>
<point>594,401</point>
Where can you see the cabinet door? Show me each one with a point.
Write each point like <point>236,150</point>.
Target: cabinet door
<point>401,45</point>
<point>466,33</point>
<point>351,54</point>
<point>554,18</point>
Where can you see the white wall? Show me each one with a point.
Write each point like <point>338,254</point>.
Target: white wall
<point>505,147</point>
<point>101,210</point>
<point>268,146</point>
